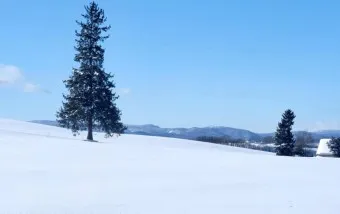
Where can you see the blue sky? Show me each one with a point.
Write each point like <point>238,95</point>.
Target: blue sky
<point>183,63</point>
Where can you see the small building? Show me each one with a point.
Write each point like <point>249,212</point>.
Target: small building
<point>323,150</point>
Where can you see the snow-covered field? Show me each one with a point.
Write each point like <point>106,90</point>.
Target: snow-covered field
<point>45,169</point>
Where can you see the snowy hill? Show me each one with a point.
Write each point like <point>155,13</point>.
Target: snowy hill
<point>44,169</point>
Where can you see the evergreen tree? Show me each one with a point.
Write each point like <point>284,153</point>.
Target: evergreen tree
<point>334,146</point>
<point>284,138</point>
<point>302,141</point>
<point>90,102</point>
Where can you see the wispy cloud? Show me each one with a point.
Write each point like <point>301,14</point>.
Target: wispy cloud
<point>123,91</point>
<point>3,82</point>
<point>31,88</point>
<point>323,125</point>
<point>12,75</point>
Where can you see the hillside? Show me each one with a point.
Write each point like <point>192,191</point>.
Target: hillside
<point>44,169</point>
<point>183,133</point>
<point>214,131</point>
<point>192,133</point>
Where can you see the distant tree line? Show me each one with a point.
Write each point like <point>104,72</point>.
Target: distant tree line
<point>283,143</point>
<point>300,149</point>
<point>226,140</point>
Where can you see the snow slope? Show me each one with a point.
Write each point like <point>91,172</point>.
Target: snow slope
<point>44,169</point>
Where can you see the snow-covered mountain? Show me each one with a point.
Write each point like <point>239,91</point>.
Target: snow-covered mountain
<point>44,169</point>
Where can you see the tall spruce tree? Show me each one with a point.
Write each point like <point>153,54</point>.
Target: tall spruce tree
<point>90,102</point>
<point>284,138</point>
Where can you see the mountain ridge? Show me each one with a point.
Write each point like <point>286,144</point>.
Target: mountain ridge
<point>194,132</point>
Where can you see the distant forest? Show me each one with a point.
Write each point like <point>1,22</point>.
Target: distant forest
<point>267,146</point>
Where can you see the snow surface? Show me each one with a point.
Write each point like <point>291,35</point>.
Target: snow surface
<point>44,169</point>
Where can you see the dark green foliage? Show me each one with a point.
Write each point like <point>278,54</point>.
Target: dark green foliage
<point>299,148</point>
<point>90,102</point>
<point>303,139</point>
<point>284,138</point>
<point>334,146</point>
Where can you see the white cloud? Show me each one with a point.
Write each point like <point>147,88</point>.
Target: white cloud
<point>12,75</point>
<point>9,74</point>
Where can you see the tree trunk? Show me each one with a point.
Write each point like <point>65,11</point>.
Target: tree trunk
<point>90,130</point>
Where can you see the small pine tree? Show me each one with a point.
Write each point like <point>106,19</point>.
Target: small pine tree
<point>284,138</point>
<point>91,101</point>
<point>334,146</point>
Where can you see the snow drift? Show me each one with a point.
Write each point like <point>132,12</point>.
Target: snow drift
<point>323,149</point>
